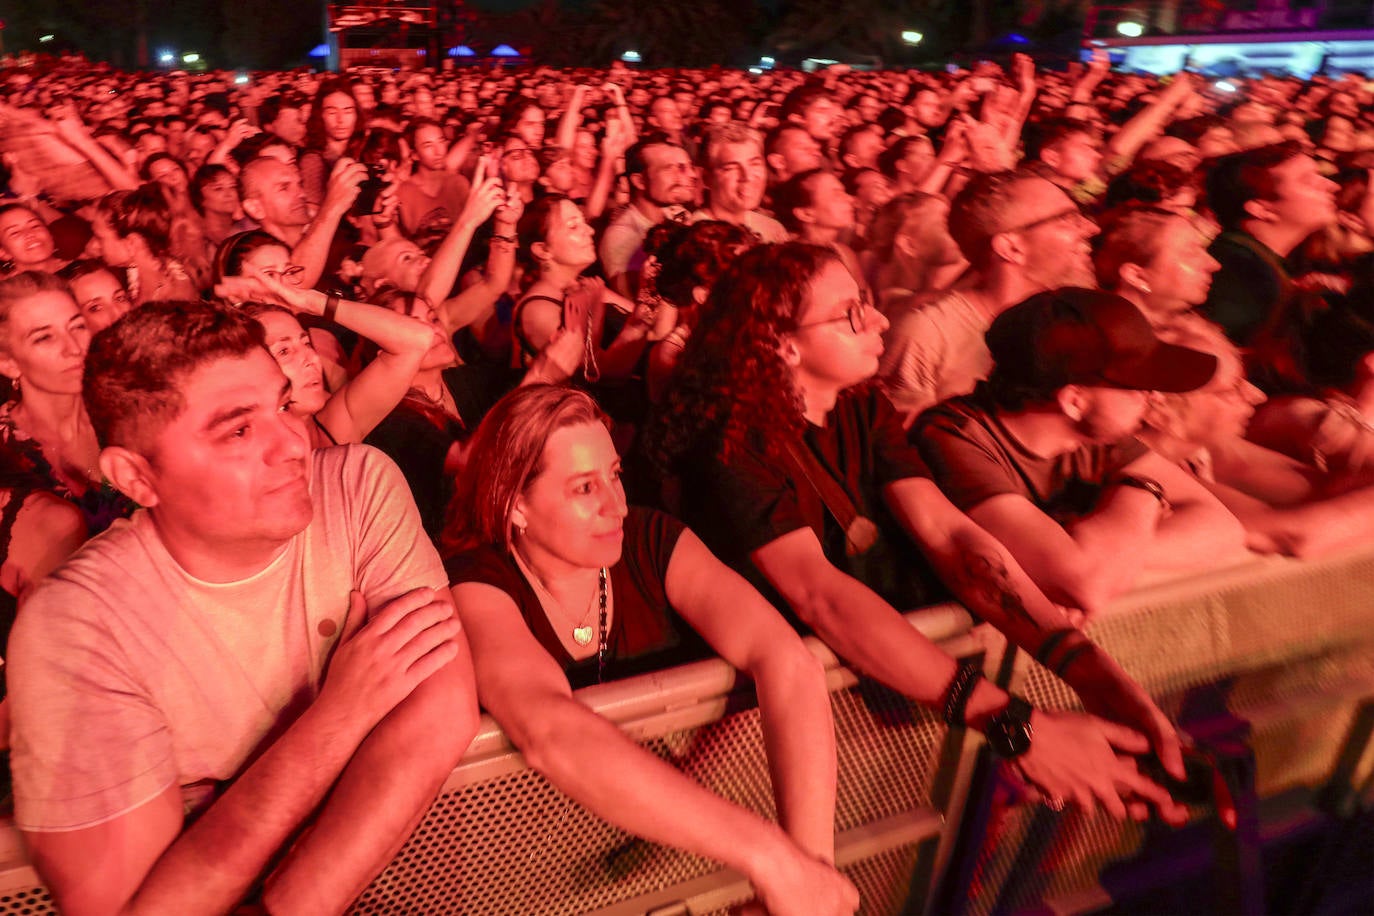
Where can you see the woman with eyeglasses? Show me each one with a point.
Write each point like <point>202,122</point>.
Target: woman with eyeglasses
<point>561,585</point>
<point>797,472</point>
<point>255,268</point>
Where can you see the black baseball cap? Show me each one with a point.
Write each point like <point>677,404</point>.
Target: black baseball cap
<point>1074,336</point>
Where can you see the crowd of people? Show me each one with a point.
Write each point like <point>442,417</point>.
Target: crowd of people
<point>341,407</point>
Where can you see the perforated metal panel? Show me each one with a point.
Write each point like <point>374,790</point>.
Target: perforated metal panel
<point>32,902</point>
<point>515,845</point>
<point>1288,648</point>
<point>1293,642</point>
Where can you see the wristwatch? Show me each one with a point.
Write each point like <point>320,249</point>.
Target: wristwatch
<point>1009,732</point>
<point>1151,486</point>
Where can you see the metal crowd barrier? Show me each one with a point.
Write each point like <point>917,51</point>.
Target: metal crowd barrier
<point>1283,645</point>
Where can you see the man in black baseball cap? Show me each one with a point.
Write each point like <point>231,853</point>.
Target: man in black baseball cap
<point>1044,455</point>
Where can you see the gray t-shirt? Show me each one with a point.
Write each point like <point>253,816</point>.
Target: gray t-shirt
<point>128,675</point>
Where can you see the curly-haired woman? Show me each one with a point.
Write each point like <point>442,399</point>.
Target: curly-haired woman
<point>794,469</point>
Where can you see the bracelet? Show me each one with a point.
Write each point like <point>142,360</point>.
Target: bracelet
<point>509,239</point>
<point>1042,654</point>
<point>960,689</point>
<point>331,307</point>
<point>1069,658</point>
<point>1149,486</point>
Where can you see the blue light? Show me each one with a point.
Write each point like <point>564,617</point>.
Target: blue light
<point>504,51</point>
<point>319,51</point>
<point>1017,38</point>
<point>461,51</point>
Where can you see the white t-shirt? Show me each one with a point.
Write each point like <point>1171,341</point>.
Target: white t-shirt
<point>128,675</point>
<point>934,352</point>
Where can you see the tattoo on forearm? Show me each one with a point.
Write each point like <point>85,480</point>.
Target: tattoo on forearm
<point>984,579</point>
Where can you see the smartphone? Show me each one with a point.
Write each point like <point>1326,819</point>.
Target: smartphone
<point>369,190</point>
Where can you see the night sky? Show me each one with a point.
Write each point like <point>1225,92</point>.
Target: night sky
<point>231,33</point>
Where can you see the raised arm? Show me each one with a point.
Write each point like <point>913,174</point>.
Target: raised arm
<point>613,146</point>
<point>355,409</point>
<point>312,251</point>
<point>437,281</point>
<point>239,131</point>
<point>1149,121</point>
<point>1093,74</point>
<point>579,752</point>
<point>571,122</point>
<point>73,132</point>
<point>748,632</point>
<point>622,113</point>
<point>473,304</point>
<point>1023,67</point>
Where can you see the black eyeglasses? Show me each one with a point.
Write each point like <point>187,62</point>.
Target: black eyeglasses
<point>856,315</point>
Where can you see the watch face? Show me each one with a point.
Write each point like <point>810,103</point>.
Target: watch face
<point>1009,738</point>
<point>1009,732</point>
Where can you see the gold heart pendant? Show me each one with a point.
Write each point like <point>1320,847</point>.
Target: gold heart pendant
<point>582,635</point>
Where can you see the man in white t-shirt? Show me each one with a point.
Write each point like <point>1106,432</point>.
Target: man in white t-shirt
<point>737,176</point>
<point>1022,235</point>
<point>273,624</point>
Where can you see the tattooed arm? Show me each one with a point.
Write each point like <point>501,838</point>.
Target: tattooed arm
<point>989,582</point>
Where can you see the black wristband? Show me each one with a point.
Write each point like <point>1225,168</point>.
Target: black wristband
<point>331,307</point>
<point>1070,657</point>
<point>1042,654</point>
<point>965,680</point>
<point>1149,486</point>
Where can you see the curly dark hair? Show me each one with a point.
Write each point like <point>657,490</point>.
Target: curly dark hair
<point>731,383</point>
<point>693,255</point>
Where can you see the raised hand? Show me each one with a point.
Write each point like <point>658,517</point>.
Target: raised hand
<point>239,131</point>
<point>487,193</point>
<point>1023,69</point>
<point>258,286</point>
<point>341,190</point>
<point>66,121</point>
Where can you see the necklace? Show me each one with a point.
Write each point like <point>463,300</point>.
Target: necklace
<point>590,370</point>
<point>581,632</point>
<point>439,402</point>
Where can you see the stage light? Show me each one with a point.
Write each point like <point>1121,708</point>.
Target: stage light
<point>46,38</point>
<point>912,37</point>
<point>631,57</point>
<point>1130,29</point>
